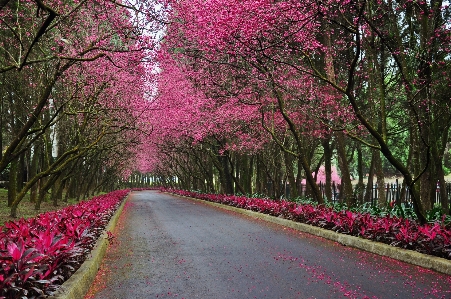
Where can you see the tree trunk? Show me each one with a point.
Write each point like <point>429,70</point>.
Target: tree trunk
<point>369,186</point>
<point>44,190</point>
<point>34,171</point>
<point>360,188</point>
<point>12,186</point>
<point>260,177</point>
<point>346,185</point>
<point>57,191</point>
<point>289,166</point>
<point>328,167</point>
<point>380,179</point>
<point>226,178</point>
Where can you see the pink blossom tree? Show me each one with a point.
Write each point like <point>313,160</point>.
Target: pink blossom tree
<point>85,64</point>
<point>362,59</point>
<point>231,59</point>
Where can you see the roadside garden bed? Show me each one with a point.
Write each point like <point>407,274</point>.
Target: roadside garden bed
<point>432,238</point>
<point>38,254</point>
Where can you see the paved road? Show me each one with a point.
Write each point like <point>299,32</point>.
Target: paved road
<point>170,247</point>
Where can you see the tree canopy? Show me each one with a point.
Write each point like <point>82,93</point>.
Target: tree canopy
<point>228,96</point>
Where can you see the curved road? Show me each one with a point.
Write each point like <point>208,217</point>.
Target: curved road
<point>171,247</point>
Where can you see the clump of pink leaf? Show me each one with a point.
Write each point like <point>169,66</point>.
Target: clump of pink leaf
<point>433,238</point>
<point>39,254</point>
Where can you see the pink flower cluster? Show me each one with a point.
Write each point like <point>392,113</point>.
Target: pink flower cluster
<point>432,238</point>
<point>40,253</point>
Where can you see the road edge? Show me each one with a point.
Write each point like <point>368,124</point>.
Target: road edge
<point>77,286</point>
<point>409,256</point>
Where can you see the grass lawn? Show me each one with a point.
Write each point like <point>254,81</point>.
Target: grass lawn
<point>26,208</point>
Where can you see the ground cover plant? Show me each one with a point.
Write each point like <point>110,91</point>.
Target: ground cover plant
<point>27,208</point>
<point>430,238</point>
<point>39,254</point>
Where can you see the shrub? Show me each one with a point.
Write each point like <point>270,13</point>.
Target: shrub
<point>375,224</point>
<point>39,254</point>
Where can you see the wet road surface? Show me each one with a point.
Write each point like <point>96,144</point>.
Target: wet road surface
<point>171,247</point>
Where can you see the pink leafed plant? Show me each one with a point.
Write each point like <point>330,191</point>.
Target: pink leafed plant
<point>39,254</point>
<point>433,239</point>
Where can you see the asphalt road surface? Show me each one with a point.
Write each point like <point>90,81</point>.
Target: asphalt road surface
<point>171,247</point>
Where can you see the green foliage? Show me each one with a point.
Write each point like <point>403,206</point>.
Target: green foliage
<point>257,195</point>
<point>402,211</point>
<point>372,209</point>
<point>436,214</point>
<point>337,206</point>
<point>305,200</point>
<point>446,170</point>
